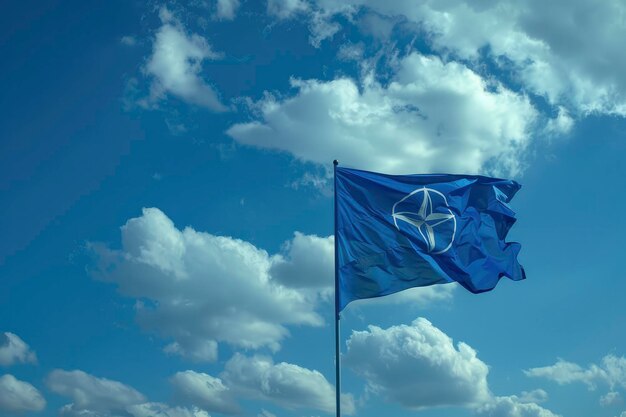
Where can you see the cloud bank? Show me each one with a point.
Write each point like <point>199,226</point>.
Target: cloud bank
<point>433,116</point>
<point>574,61</point>
<point>201,289</point>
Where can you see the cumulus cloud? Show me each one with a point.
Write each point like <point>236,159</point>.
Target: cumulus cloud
<point>200,289</point>
<point>418,366</point>
<point>14,350</point>
<point>258,378</point>
<point>176,63</point>
<point>285,384</point>
<point>433,116</point>
<point>575,60</point>
<point>91,394</point>
<point>513,406</point>
<point>205,391</point>
<point>101,397</point>
<point>18,396</point>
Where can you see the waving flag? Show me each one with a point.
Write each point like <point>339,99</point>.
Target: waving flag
<point>395,232</point>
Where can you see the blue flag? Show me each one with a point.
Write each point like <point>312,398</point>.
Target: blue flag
<point>395,232</point>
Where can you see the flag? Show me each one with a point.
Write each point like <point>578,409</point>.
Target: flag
<point>395,232</point>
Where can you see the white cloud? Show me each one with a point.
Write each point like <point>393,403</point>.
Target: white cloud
<point>14,350</point>
<point>351,52</point>
<point>321,28</point>
<point>265,413</point>
<point>308,262</point>
<point>561,125</point>
<point>285,9</point>
<point>285,384</point>
<point>18,396</point>
<point>612,372</point>
<point>615,368</point>
<point>200,289</point>
<point>418,366</point>
<point>227,9</point>
<point>513,406</point>
<point>611,398</point>
<point>534,396</point>
<point>176,63</point>
<point>163,410</point>
<point>433,116</point>
<point>574,60</point>
<point>204,391</point>
<point>92,395</point>
<point>564,372</point>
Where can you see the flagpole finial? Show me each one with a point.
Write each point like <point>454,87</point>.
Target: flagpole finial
<point>335,162</point>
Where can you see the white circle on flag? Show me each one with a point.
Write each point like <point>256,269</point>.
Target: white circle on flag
<point>427,211</point>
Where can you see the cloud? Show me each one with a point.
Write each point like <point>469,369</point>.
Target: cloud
<point>163,410</point>
<point>128,40</point>
<point>101,397</point>
<point>205,391</point>
<point>91,394</point>
<point>433,115</point>
<point>611,372</point>
<point>308,262</point>
<point>18,396</point>
<point>176,63</point>
<point>534,396</point>
<point>575,60</point>
<point>200,289</point>
<point>564,372</point>
<point>418,366</point>
<point>513,406</point>
<point>258,378</point>
<point>285,9</point>
<point>227,9</point>
<point>14,350</point>
<point>285,384</point>
<point>561,125</point>
<point>611,398</point>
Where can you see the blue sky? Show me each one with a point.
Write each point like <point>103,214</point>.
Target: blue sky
<point>166,205</point>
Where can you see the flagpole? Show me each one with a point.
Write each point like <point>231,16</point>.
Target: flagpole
<point>337,346</point>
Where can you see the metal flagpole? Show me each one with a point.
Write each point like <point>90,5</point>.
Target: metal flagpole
<point>337,347</point>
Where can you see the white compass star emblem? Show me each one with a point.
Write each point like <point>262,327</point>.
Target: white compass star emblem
<point>435,223</point>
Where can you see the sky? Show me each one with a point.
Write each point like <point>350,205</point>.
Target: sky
<point>166,211</point>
